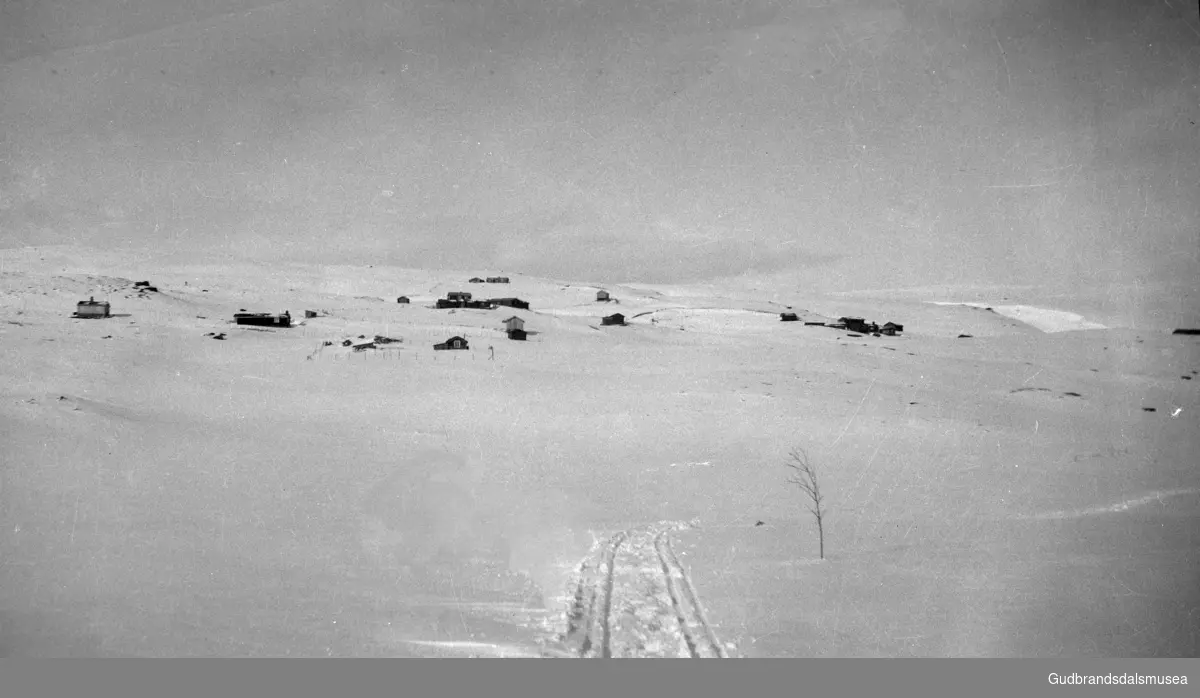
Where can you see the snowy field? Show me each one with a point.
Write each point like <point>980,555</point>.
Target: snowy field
<point>163,493</point>
<point>1015,474</point>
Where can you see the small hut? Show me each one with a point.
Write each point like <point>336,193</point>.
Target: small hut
<point>891,329</point>
<point>514,323</point>
<point>788,317</point>
<point>497,279</point>
<point>310,313</point>
<point>519,335</point>
<point>602,296</point>
<point>284,319</point>
<point>404,299</point>
<point>475,280</point>
<point>452,343</point>
<point>93,309</point>
<point>614,319</point>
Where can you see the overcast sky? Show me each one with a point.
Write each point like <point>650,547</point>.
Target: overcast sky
<point>900,141</point>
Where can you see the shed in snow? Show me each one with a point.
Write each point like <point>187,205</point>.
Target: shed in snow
<point>857,324</point>
<point>264,319</point>
<point>517,334</point>
<point>614,319</point>
<point>788,317</point>
<point>403,299</point>
<point>514,323</point>
<point>497,279</point>
<point>891,329</point>
<point>92,308</point>
<point>602,295</point>
<point>475,280</point>
<point>452,343</point>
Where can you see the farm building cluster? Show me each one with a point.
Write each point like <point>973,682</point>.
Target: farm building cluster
<point>514,326</point>
<point>463,299</point>
<point>852,324</point>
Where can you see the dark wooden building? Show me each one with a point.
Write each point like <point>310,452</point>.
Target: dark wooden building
<point>452,343</point>
<point>891,329</point>
<point>475,280</point>
<point>517,334</point>
<point>788,317</point>
<point>458,296</point>
<point>404,299</point>
<point>857,324</point>
<point>614,319</point>
<point>264,319</point>
<point>511,303</point>
<point>497,279</point>
<point>602,296</point>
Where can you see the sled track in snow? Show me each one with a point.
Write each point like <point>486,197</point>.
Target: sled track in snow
<point>633,598</point>
<point>697,632</point>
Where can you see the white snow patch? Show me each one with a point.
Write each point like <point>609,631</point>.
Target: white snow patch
<point>1044,319</point>
<point>1126,505</point>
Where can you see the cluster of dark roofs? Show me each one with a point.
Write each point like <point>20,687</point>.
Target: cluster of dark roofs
<point>462,299</point>
<point>854,324</point>
<point>857,324</point>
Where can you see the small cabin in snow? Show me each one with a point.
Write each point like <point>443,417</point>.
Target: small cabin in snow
<point>602,296</point>
<point>857,324</point>
<point>788,317</point>
<point>614,319</point>
<point>891,329</point>
<point>404,299</point>
<point>284,319</point>
<point>92,308</point>
<point>497,279</point>
<point>514,323</point>
<point>474,280</point>
<point>452,343</point>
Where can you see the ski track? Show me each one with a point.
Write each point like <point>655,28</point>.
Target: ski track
<point>636,573</point>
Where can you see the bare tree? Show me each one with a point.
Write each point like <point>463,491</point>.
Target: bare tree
<point>804,476</point>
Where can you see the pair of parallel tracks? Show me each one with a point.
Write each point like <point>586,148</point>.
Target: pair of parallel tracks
<point>594,623</point>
